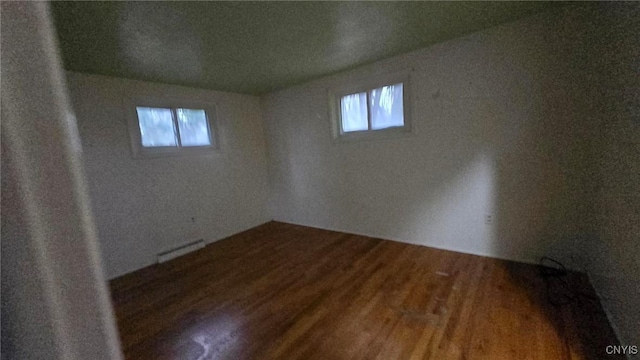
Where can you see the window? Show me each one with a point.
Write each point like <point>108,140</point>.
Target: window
<point>372,109</point>
<point>170,127</point>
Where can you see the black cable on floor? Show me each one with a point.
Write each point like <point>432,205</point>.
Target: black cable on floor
<point>559,291</point>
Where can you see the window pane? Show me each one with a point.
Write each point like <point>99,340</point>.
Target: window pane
<point>354,112</point>
<point>156,127</point>
<point>386,107</point>
<point>193,127</point>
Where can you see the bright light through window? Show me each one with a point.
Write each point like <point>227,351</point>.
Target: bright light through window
<point>386,107</point>
<point>194,130</point>
<point>163,129</point>
<point>354,112</point>
<point>375,109</point>
<point>156,127</point>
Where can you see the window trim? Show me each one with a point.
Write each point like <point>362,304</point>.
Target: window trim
<point>135,137</point>
<point>366,85</point>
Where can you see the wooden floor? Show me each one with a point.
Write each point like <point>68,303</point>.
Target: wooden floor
<point>283,291</point>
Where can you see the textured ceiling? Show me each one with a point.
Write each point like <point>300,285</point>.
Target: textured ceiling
<point>258,47</point>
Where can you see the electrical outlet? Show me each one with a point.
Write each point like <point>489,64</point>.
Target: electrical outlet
<point>488,219</point>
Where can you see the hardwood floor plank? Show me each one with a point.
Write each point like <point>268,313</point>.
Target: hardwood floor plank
<point>282,291</point>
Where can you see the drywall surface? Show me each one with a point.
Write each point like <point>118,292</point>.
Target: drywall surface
<point>146,206</point>
<point>501,128</point>
<point>55,302</point>
<point>614,261</point>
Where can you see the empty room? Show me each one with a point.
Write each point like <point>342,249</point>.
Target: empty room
<point>320,180</point>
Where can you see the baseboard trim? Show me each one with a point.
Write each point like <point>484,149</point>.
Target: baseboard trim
<point>150,260</point>
<point>180,250</point>
<point>518,260</point>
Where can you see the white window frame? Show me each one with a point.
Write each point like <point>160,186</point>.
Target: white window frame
<point>135,137</point>
<point>367,85</point>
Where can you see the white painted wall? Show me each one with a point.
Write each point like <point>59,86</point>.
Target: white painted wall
<point>146,206</point>
<point>501,127</point>
<point>55,301</point>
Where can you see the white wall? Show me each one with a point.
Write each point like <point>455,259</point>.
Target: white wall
<point>501,127</point>
<point>146,206</point>
<point>614,259</point>
<point>55,301</point>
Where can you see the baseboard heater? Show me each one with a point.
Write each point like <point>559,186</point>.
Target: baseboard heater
<point>180,250</point>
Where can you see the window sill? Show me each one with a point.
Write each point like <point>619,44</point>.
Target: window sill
<point>173,152</point>
<point>358,136</point>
